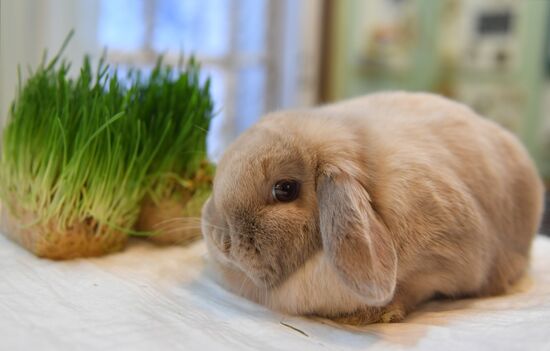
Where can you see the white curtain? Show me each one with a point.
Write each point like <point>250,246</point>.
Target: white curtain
<point>27,27</point>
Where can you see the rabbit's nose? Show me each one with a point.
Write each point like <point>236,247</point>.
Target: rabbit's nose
<point>222,240</point>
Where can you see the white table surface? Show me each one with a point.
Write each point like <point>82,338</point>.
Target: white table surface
<point>152,298</point>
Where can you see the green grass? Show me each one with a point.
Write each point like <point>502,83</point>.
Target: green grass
<point>93,147</point>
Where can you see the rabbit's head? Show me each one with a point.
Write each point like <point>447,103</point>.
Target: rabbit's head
<point>288,189</point>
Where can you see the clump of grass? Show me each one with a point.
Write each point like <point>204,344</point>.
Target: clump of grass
<point>83,157</point>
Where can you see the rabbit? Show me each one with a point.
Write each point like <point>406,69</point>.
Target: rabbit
<point>361,210</point>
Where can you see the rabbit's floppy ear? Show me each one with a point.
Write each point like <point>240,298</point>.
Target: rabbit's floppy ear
<point>355,239</point>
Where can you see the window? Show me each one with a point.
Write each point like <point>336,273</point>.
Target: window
<point>251,49</point>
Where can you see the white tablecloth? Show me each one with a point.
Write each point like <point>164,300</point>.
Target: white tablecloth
<point>152,298</point>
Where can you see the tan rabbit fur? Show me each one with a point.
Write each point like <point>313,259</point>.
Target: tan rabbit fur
<point>403,196</point>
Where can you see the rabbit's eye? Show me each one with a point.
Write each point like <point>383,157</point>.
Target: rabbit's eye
<point>286,190</point>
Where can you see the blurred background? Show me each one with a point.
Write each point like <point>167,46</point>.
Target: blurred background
<point>263,55</point>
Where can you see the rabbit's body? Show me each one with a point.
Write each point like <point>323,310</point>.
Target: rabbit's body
<point>403,197</point>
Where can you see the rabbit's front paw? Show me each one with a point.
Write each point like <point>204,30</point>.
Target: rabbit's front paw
<point>389,314</point>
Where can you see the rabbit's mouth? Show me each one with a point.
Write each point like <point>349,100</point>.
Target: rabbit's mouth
<point>221,240</point>
<point>260,278</point>
<point>260,273</point>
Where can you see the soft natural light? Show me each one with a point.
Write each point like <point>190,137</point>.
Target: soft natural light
<point>230,42</point>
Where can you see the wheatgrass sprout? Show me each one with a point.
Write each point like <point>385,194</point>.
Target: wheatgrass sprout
<point>88,161</point>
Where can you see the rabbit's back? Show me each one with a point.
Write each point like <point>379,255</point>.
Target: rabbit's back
<point>459,193</point>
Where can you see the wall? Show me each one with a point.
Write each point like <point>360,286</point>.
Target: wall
<point>437,45</point>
